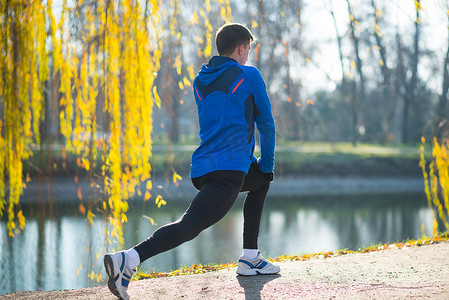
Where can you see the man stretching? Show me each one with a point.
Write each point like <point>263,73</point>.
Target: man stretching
<point>231,98</point>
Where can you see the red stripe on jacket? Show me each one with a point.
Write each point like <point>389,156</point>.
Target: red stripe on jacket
<point>237,85</point>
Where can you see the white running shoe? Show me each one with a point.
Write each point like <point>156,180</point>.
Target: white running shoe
<point>259,265</point>
<point>119,273</point>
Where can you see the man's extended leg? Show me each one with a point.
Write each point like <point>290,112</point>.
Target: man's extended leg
<point>218,191</point>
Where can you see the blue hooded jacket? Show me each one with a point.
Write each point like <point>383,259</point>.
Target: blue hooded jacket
<point>231,98</point>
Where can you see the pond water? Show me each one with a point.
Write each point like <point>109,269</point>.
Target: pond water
<point>58,248</point>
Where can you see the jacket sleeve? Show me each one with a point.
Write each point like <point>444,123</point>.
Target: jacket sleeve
<point>264,121</point>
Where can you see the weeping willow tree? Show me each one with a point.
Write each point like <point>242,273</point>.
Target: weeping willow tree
<point>119,60</point>
<point>24,68</point>
<point>103,80</point>
<point>115,64</point>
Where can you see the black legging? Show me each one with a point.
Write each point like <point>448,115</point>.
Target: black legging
<point>217,193</point>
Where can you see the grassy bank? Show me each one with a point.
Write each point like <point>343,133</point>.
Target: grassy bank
<point>292,159</point>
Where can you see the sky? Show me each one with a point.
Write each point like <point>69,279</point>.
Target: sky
<point>400,16</point>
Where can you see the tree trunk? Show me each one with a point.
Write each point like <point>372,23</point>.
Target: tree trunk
<point>356,98</point>
<point>410,92</point>
<point>442,114</point>
<point>388,101</point>
<point>340,51</point>
<point>342,88</point>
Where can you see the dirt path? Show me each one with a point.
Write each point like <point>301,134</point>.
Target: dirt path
<point>413,272</point>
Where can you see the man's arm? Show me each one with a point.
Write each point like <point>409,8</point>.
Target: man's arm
<point>264,121</point>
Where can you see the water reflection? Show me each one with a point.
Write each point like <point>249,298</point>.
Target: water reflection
<point>51,251</point>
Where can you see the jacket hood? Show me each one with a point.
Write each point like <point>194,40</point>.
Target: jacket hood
<point>216,66</point>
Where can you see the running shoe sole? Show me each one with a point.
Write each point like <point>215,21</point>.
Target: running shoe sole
<point>253,272</point>
<point>109,266</point>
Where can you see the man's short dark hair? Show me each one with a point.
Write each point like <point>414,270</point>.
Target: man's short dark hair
<point>230,36</point>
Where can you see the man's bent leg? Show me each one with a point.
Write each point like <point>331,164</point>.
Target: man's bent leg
<point>252,262</point>
<point>257,184</point>
<point>217,195</point>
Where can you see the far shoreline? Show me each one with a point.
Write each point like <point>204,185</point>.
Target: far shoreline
<point>65,189</point>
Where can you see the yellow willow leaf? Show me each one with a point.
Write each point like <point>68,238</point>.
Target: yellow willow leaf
<point>158,199</point>
<point>208,51</point>
<point>435,227</point>
<point>382,62</point>
<point>186,82</point>
<point>223,13</point>
<point>147,196</point>
<point>150,219</point>
<point>352,64</point>
<point>124,218</point>
<point>418,5</point>
<point>378,13</point>
<point>202,13</point>
<point>178,63</point>
<point>176,177</point>
<point>228,11</point>
<point>377,30</point>
<point>254,24</point>
<point>194,18</point>
<point>156,97</point>
<point>181,85</point>
<point>191,72</point>
<point>149,185</point>
<point>86,164</point>
<point>21,219</point>
<point>208,25</point>
<point>90,217</point>
<point>199,40</point>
